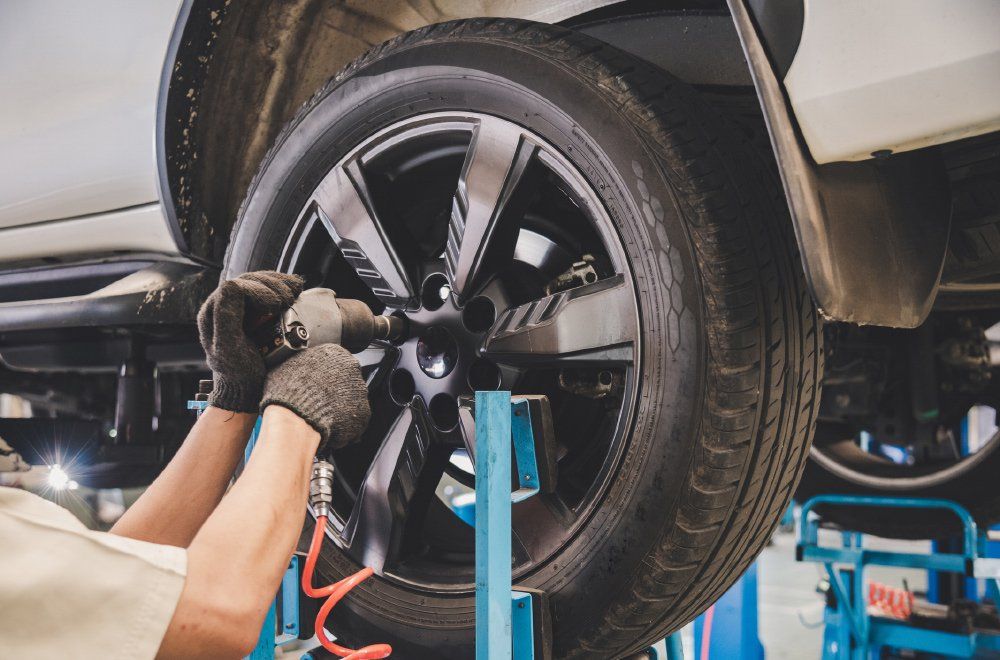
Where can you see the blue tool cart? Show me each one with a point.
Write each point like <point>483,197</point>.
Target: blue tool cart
<point>851,631</point>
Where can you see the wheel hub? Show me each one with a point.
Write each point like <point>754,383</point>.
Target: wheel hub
<point>441,357</point>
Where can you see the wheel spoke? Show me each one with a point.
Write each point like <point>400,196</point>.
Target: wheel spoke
<point>467,429</point>
<point>534,519</point>
<point>345,208</point>
<point>491,187</point>
<point>391,492</point>
<point>593,323</point>
<point>375,361</point>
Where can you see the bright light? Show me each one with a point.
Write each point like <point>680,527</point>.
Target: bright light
<point>59,479</point>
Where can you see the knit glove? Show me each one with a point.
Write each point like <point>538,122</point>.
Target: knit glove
<point>238,370</point>
<point>323,386</point>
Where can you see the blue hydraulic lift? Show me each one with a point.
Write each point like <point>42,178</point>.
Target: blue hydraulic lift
<point>851,632</point>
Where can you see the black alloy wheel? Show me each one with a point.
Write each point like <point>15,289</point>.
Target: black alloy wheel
<point>523,234</point>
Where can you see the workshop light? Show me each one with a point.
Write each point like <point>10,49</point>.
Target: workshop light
<point>59,479</point>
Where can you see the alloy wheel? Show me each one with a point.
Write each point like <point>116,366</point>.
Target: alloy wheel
<point>510,275</point>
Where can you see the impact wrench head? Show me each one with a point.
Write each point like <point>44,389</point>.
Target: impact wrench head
<point>319,317</point>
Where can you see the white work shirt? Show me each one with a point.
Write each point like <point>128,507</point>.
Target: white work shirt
<point>70,592</point>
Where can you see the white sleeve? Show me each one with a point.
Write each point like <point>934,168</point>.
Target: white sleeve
<point>66,591</point>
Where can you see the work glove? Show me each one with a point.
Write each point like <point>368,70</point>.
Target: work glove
<point>238,369</point>
<point>323,386</point>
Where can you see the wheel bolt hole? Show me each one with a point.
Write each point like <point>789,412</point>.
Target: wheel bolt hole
<point>444,411</point>
<point>605,378</point>
<point>434,291</point>
<point>437,352</point>
<point>401,386</point>
<point>484,375</point>
<point>479,314</point>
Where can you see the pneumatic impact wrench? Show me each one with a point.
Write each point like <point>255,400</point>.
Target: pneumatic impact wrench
<point>318,317</point>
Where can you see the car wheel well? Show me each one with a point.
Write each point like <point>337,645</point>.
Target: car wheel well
<point>236,73</point>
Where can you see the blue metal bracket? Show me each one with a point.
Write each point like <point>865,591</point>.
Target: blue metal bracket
<point>528,479</point>
<point>505,626</point>
<point>287,605</point>
<point>523,626</point>
<point>851,633</point>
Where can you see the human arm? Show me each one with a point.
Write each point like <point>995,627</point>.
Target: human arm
<point>236,560</point>
<point>174,507</point>
<point>179,501</point>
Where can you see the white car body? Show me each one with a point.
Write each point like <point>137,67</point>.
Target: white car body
<point>77,126</point>
<point>81,80</point>
<point>895,75</point>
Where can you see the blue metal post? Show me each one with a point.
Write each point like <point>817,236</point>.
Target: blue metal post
<point>267,641</point>
<point>493,554</point>
<point>730,628</point>
<point>675,647</point>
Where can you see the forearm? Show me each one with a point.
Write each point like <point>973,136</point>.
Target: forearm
<point>236,561</point>
<point>181,499</point>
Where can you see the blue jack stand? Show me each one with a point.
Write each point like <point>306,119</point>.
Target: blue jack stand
<point>728,629</point>
<point>510,624</point>
<point>851,632</point>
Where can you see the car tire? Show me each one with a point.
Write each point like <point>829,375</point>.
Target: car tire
<point>839,467</point>
<point>731,353</point>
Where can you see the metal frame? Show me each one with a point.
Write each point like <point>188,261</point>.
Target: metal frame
<point>505,617</point>
<point>851,633</point>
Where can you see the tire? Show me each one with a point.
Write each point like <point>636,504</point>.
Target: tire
<point>730,357</point>
<point>843,469</point>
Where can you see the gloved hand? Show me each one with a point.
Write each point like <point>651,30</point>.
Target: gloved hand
<point>238,370</point>
<point>323,386</point>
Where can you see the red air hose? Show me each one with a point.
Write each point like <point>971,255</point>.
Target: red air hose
<point>335,591</point>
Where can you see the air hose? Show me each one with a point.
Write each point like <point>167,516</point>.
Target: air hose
<point>320,496</point>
